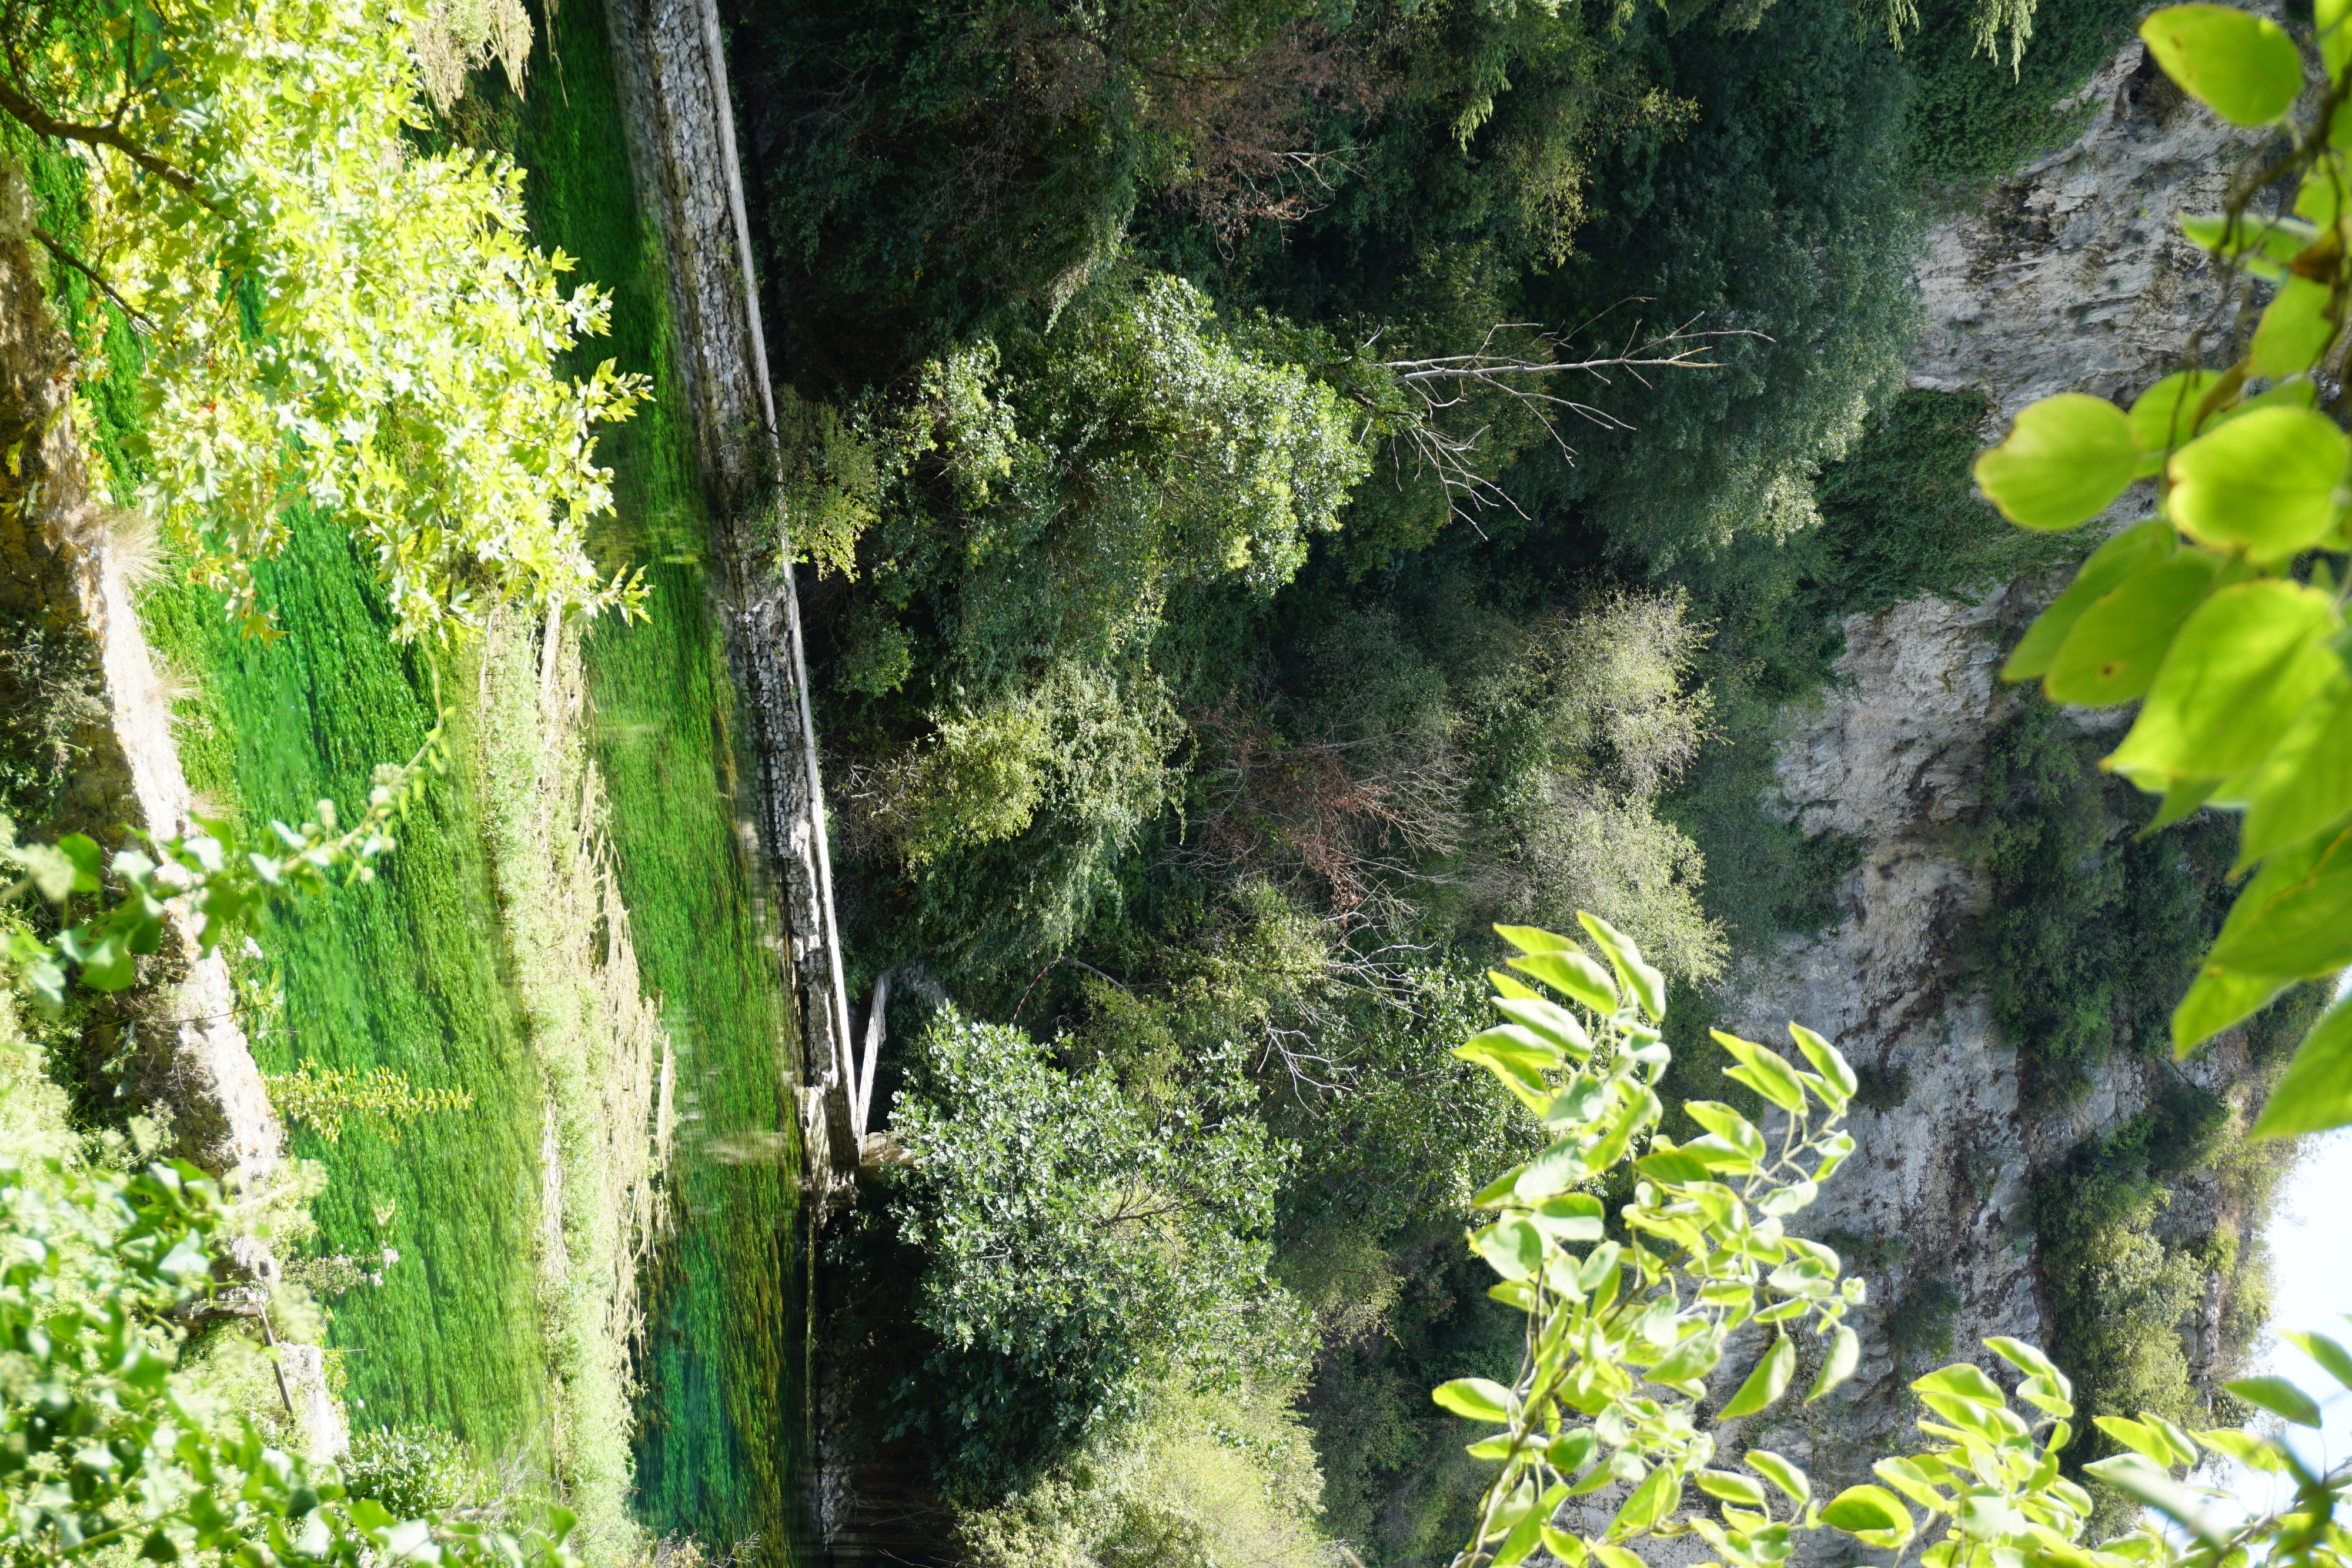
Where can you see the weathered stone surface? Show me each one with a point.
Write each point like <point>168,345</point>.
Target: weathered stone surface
<point>2073,277</point>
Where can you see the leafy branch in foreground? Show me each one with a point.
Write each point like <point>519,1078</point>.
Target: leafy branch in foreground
<point>213,874</point>
<point>106,1444</point>
<point>2223,616</point>
<point>330,316</point>
<point>1622,1336</point>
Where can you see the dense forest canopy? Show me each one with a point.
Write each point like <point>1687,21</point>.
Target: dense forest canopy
<point>1226,609</point>
<point>1286,496</point>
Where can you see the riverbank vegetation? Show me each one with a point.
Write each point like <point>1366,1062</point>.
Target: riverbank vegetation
<point>499,1284</point>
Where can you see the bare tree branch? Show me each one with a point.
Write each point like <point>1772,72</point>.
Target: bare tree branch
<point>1446,382</point>
<point>138,316</point>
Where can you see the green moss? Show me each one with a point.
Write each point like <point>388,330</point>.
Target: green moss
<point>1974,118</point>
<point>2094,930</point>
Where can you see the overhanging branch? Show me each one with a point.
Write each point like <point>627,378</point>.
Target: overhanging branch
<point>40,121</point>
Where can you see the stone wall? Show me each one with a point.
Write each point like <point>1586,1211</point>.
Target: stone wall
<point>671,68</point>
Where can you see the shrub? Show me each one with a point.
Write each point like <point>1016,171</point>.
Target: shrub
<point>1076,1248</point>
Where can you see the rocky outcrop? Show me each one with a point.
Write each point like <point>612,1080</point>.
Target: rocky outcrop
<point>63,572</point>
<point>2073,276</point>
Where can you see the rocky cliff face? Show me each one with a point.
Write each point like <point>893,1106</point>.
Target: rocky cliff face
<point>2072,277</point>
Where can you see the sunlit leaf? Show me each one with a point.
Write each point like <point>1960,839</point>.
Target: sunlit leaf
<point>1767,1381</point>
<point>2236,675</point>
<point>2278,1396</point>
<point>2266,480</point>
<point>1479,1399</point>
<point>2315,1092</point>
<point>2243,67</point>
<point>2118,643</point>
<point>2065,459</point>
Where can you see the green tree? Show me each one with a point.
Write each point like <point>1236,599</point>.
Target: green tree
<point>328,315</point>
<point>1078,1247</point>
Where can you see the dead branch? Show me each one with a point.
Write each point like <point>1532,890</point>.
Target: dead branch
<point>1445,382</point>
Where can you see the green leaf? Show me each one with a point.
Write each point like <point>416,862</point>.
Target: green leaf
<point>2251,1451</point>
<point>1646,983</point>
<point>1763,1070</point>
<point>1549,1021</point>
<point>2333,1357</point>
<point>2332,19</point>
<point>2065,459</point>
<point>2243,67</point>
<point>1845,1354</point>
<point>2028,1358</point>
<point>1694,1357</point>
<point>1867,1512</point>
<point>2294,330</point>
<point>1498,1192</point>
<point>1524,1537</point>
<point>2303,929</point>
<point>2218,998</point>
<point>51,870</point>
<point>1671,1165</point>
<point>2182,798</point>
<point>1572,1451</point>
<point>2298,392</point>
<point>1779,1472</point>
<point>1912,1482</point>
<point>1658,1492</point>
<point>2278,1396</point>
<point>1731,1486</point>
<point>2136,1477</point>
<point>1728,1125</point>
<point>2127,555</point>
<point>2266,480</point>
<point>1962,1381</point>
<point>1479,1399</point>
<point>1574,976</point>
<point>1571,1217</point>
<point>2118,643</point>
<point>2304,785</point>
<point>1513,1248</point>
<point>1767,1382</point>
<point>2165,415</point>
<point>1828,1061</point>
<point>1558,1168</point>
<point>2138,1436</point>
<point>2237,675</point>
<point>1533,939</point>
<point>1514,1042</point>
